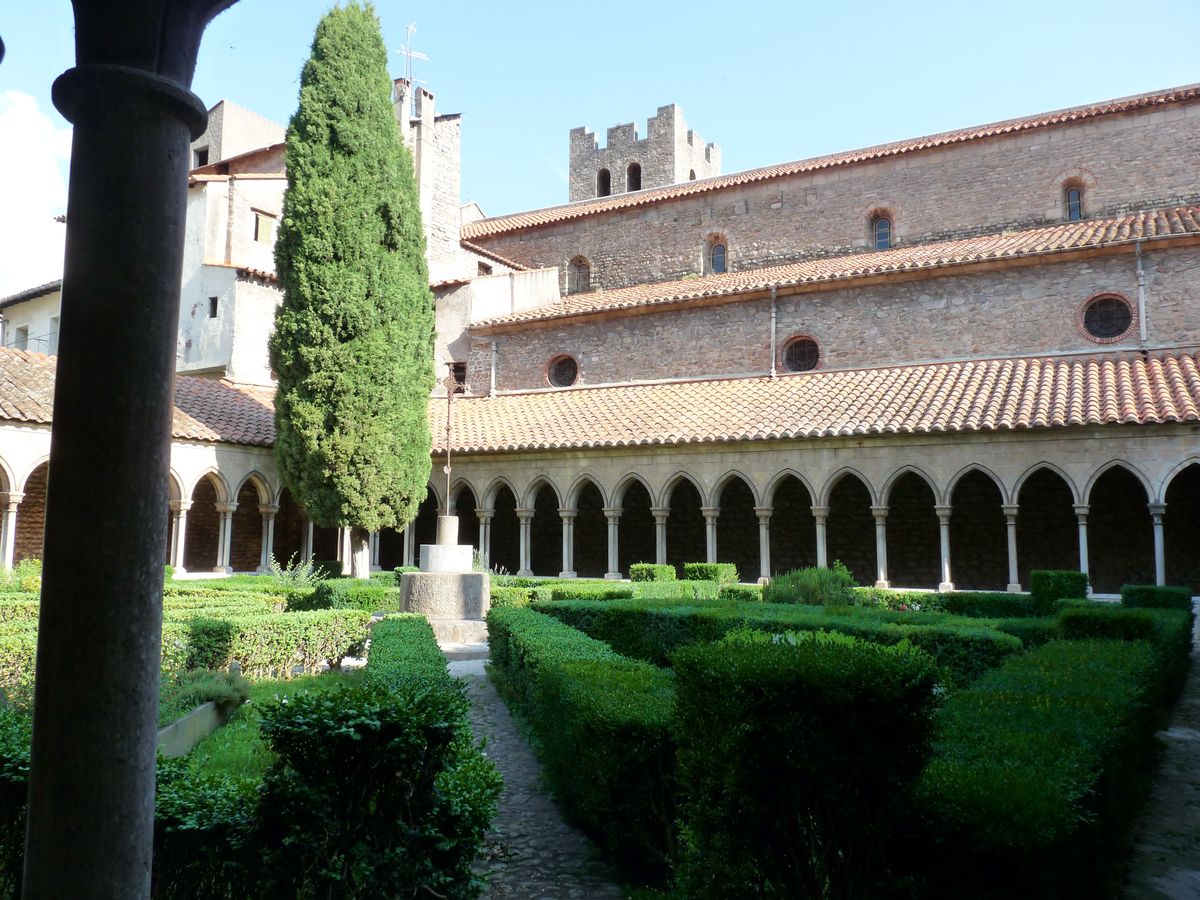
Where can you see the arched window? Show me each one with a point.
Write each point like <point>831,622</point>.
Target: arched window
<point>1074,204</point>
<point>801,354</point>
<point>579,276</point>
<point>692,175</point>
<point>881,232</point>
<point>633,177</point>
<point>716,258</point>
<point>603,183</point>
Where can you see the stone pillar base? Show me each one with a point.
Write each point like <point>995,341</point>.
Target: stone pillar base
<point>946,587</point>
<point>567,575</point>
<point>446,596</point>
<point>1013,589</point>
<point>883,585</point>
<point>524,573</point>
<point>613,576</point>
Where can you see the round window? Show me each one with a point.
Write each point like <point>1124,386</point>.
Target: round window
<point>1107,318</point>
<point>800,354</point>
<point>563,371</point>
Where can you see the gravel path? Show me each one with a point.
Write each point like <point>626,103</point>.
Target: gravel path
<point>530,852</point>
<point>1166,860</point>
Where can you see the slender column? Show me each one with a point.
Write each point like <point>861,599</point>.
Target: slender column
<point>711,514</point>
<point>1081,514</point>
<point>178,533</point>
<point>345,550</point>
<point>485,534</point>
<point>613,515</point>
<point>1157,510</point>
<point>661,514</point>
<point>943,514</point>
<point>525,518</point>
<point>568,542</point>
<point>268,536</point>
<point>373,549</point>
<point>306,552</point>
<point>764,541</point>
<point>12,500</point>
<point>1010,518</point>
<point>410,544</point>
<point>880,514</point>
<point>91,780</point>
<point>224,537</point>
<point>821,518</point>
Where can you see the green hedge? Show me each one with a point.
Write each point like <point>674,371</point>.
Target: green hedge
<point>586,592</point>
<point>651,572</point>
<point>1048,586</point>
<point>1156,596</point>
<point>740,593</point>
<point>1168,630</point>
<point>23,610</point>
<point>1037,774</point>
<point>509,596</point>
<point>814,586</point>
<point>601,724</point>
<point>796,757</point>
<point>723,573</point>
<point>349,593</point>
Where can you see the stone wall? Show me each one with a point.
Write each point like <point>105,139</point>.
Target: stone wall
<point>31,516</point>
<point>1029,310</point>
<point>1123,162</point>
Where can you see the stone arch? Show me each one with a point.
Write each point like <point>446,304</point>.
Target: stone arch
<point>978,531</point>
<point>793,529</point>
<point>245,545</point>
<point>535,487</point>
<point>31,513</point>
<point>967,470</point>
<point>219,483</point>
<point>850,528</point>
<point>1181,524</point>
<point>43,460</point>
<point>1120,530</point>
<point>7,481</point>
<point>571,495</point>
<point>201,546</point>
<point>174,484</point>
<point>1047,534</point>
<point>590,553</point>
<point>886,493</point>
<point>832,480</point>
<point>737,525</point>
<point>686,536</point>
<point>291,527</point>
<point>636,535</point>
<point>720,483</point>
<point>505,552</point>
<point>672,482</point>
<point>466,505</point>
<point>1049,467</point>
<point>913,536</point>
<point>625,482</point>
<point>633,176</point>
<point>1160,493</point>
<point>545,529</point>
<point>603,183</point>
<point>1100,470</point>
<point>261,484</point>
<point>493,489</point>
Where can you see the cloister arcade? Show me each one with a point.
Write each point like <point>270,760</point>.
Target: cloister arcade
<point>974,526</point>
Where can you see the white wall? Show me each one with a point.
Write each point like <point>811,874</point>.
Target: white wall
<point>39,316</point>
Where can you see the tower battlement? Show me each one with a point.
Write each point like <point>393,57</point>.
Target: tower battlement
<point>669,153</point>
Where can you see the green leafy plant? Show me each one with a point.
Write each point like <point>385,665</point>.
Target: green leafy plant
<point>813,586</point>
<point>295,573</point>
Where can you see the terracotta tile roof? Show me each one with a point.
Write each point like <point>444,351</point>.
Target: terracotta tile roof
<point>1085,235</point>
<point>551,215</point>
<point>205,409</point>
<point>494,257</point>
<point>987,395</point>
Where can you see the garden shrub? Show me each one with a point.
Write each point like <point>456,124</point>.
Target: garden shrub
<point>327,568</point>
<point>168,572</point>
<point>1168,630</point>
<point>1037,774</point>
<point>18,654</point>
<point>601,724</point>
<point>1156,596</point>
<point>349,593</point>
<point>796,754</point>
<point>814,586</point>
<point>722,573</point>
<point>589,592</point>
<point>398,573</point>
<point>651,572</point>
<point>1048,586</point>
<point>509,596</point>
<point>1032,632</point>
<point>740,593</point>
<point>677,591</point>
<point>22,610</point>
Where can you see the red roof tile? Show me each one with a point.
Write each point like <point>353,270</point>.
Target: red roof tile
<point>205,409</point>
<point>551,215</point>
<point>984,395</point>
<point>1085,235</point>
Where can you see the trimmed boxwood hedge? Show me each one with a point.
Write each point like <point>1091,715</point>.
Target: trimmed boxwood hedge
<point>651,572</point>
<point>601,724</point>
<point>1038,772</point>
<point>723,573</point>
<point>796,756</point>
<point>585,592</point>
<point>1048,586</point>
<point>1156,596</point>
<point>349,593</point>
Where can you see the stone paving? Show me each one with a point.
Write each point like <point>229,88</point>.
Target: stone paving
<point>530,851</point>
<point>1166,860</point>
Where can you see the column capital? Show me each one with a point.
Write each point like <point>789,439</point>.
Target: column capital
<point>763,512</point>
<point>11,498</point>
<point>567,513</point>
<point>1081,511</point>
<point>269,511</point>
<point>180,506</point>
<point>820,513</point>
<point>226,509</point>
<point>943,512</point>
<point>525,515</point>
<point>1157,510</point>
<point>660,513</point>
<point>485,515</point>
<point>1012,510</point>
<point>613,512</point>
<point>880,513</point>
<point>710,513</point>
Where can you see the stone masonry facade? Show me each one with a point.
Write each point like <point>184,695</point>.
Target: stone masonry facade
<point>1134,160</point>
<point>669,153</point>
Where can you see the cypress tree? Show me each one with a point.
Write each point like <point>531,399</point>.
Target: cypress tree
<point>353,342</point>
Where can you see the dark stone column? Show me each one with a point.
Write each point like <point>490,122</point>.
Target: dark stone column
<point>91,785</point>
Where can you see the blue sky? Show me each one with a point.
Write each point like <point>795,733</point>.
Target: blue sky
<point>769,82</point>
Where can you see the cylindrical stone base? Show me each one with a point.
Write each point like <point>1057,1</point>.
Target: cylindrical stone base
<point>446,595</point>
<point>447,530</point>
<point>446,557</point>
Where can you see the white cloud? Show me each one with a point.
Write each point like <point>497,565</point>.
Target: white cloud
<point>34,153</point>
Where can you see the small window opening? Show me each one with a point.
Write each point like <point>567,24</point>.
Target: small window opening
<point>264,228</point>
<point>881,233</point>
<point>21,337</point>
<point>1074,204</point>
<point>633,177</point>
<point>603,183</point>
<point>199,157</point>
<point>458,378</point>
<point>801,354</point>
<point>692,175</point>
<point>579,276</point>
<point>716,258</point>
<point>563,371</point>
<point>212,307</point>
<point>53,336</point>
<point>1107,318</point>
<point>484,269</point>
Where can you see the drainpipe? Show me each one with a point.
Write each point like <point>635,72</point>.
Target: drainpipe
<point>1141,278</point>
<point>492,375</point>
<point>773,371</point>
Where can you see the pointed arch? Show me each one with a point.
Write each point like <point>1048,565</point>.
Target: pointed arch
<point>832,480</point>
<point>261,484</point>
<point>778,479</point>
<point>908,469</point>
<point>174,483</point>
<point>580,483</point>
<point>737,525</point>
<point>1181,494</point>
<point>1160,495</point>
<point>494,487</point>
<point>43,460</point>
<point>535,487</point>
<point>220,485</point>
<point>668,488</point>
<point>431,490</point>
<point>636,530</point>
<point>850,526</point>
<point>1015,497</point>
<point>456,489</point>
<point>967,470</point>
<point>1120,528</point>
<point>1113,464</point>
<point>623,485</point>
<point>978,530</point>
<point>720,484</point>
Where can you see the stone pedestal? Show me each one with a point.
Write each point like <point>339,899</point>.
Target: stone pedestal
<point>446,596</point>
<point>446,558</point>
